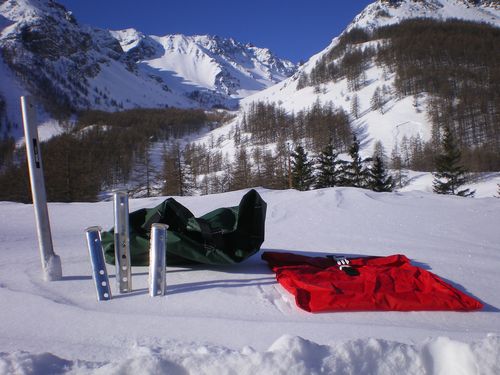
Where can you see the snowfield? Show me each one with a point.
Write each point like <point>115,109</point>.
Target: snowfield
<point>238,320</point>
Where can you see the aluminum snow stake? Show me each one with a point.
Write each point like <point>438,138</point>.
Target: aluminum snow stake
<point>51,263</point>
<point>157,260</point>
<point>99,272</point>
<point>122,242</point>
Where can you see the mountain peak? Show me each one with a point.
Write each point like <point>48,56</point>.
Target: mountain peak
<point>26,11</point>
<point>209,61</point>
<point>387,12</point>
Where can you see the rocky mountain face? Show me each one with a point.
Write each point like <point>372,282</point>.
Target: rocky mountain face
<point>45,52</point>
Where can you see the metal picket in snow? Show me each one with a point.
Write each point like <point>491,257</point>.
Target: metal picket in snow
<point>122,242</point>
<point>51,263</point>
<point>99,273</point>
<point>157,260</point>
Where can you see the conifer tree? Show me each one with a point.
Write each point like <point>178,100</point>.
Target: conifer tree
<point>377,100</point>
<point>355,106</point>
<point>178,175</point>
<point>143,174</point>
<point>258,156</point>
<point>399,175</point>
<point>242,169</point>
<point>355,172</point>
<point>328,168</point>
<point>379,179</point>
<point>302,170</point>
<point>269,171</point>
<point>188,177</point>
<point>449,175</point>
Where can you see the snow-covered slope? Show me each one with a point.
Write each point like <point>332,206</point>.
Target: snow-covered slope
<point>46,53</point>
<point>401,117</point>
<point>238,320</point>
<point>223,65</point>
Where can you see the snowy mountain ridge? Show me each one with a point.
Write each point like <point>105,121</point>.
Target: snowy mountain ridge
<point>212,62</point>
<point>46,53</point>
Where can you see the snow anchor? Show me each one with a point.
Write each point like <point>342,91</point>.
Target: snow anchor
<point>157,260</point>
<point>122,242</point>
<point>99,273</point>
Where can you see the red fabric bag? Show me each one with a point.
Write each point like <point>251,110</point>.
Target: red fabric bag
<point>383,283</point>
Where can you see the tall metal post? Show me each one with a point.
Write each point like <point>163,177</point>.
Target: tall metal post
<point>157,260</point>
<point>122,242</point>
<point>51,263</point>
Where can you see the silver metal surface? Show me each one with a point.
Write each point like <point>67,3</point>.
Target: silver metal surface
<point>122,242</point>
<point>157,260</point>
<point>51,263</point>
<point>99,273</point>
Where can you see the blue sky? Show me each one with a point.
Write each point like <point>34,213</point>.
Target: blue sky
<point>292,29</point>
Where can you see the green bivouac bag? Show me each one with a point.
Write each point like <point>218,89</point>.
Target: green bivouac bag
<point>221,237</point>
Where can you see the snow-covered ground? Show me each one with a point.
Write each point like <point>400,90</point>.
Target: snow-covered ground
<point>238,320</point>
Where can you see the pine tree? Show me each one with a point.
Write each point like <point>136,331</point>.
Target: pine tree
<point>328,168</point>
<point>355,173</point>
<point>449,175</point>
<point>379,179</point>
<point>302,170</point>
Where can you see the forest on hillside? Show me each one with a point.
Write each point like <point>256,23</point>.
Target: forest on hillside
<point>454,62</point>
<point>98,154</point>
<point>104,151</point>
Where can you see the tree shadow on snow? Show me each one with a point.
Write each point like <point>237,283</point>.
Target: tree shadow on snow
<point>216,284</point>
<point>76,278</point>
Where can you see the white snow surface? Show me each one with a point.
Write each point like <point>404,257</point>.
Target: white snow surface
<point>238,320</point>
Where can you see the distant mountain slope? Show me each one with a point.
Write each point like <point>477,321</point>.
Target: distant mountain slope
<point>68,66</point>
<point>402,116</point>
<point>211,62</point>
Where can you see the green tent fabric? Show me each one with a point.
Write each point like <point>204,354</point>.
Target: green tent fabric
<point>221,237</point>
